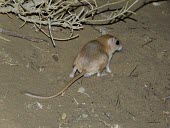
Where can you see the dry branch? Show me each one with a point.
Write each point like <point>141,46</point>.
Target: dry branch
<point>71,14</point>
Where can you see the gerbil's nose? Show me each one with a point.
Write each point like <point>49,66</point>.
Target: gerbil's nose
<point>120,48</point>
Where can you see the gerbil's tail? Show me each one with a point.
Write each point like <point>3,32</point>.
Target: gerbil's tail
<point>59,93</point>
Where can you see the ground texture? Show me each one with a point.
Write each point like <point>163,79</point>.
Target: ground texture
<point>134,97</point>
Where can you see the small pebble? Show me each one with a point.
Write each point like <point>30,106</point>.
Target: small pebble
<point>55,57</point>
<point>64,116</point>
<point>84,115</point>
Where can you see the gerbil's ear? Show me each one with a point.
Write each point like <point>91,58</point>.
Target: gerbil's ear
<point>112,41</point>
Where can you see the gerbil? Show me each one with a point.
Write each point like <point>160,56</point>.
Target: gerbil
<point>93,58</point>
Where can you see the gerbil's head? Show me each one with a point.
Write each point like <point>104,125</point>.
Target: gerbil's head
<point>115,44</point>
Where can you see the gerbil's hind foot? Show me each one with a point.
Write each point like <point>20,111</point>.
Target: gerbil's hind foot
<point>101,74</point>
<point>72,74</point>
<point>88,74</point>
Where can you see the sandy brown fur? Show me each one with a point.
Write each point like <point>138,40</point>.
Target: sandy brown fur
<point>90,54</point>
<point>104,41</point>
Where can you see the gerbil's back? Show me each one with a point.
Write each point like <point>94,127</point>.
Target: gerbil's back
<point>91,55</point>
<point>91,49</point>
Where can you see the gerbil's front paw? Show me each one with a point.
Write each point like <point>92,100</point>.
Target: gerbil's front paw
<point>108,70</point>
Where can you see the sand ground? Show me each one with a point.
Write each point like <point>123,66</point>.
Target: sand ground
<point>132,98</point>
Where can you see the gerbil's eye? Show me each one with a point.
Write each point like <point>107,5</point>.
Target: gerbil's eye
<point>117,42</point>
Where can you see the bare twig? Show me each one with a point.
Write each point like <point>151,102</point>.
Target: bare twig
<point>3,38</point>
<point>70,14</point>
<point>148,41</point>
<point>51,36</point>
<point>133,70</point>
<point>70,38</point>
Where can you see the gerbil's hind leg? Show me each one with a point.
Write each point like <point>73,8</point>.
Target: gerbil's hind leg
<point>72,74</point>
